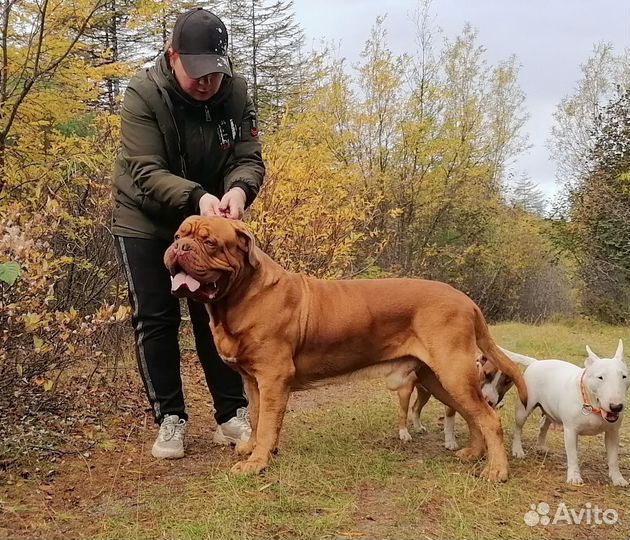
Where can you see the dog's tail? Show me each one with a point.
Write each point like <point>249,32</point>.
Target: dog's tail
<point>496,355</point>
<point>518,358</point>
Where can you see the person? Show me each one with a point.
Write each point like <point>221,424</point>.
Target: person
<point>189,145</point>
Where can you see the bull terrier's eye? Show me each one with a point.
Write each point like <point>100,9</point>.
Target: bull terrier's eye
<point>600,378</point>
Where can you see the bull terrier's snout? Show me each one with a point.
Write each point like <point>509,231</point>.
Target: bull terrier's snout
<point>616,407</point>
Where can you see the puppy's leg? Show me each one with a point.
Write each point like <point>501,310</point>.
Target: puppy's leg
<point>450,442</point>
<point>404,395</point>
<point>274,393</point>
<point>612,449</point>
<point>573,465</point>
<point>251,389</point>
<point>541,444</point>
<point>520,416</point>
<point>423,395</point>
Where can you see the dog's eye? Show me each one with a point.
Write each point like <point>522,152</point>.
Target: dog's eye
<point>209,242</point>
<point>177,237</point>
<point>600,378</point>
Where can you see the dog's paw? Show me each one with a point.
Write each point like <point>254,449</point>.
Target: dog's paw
<point>251,466</point>
<point>245,448</point>
<point>419,426</point>
<point>494,474</point>
<point>469,453</point>
<point>404,435</point>
<point>619,481</point>
<point>518,452</point>
<point>451,444</point>
<point>542,449</point>
<point>574,478</point>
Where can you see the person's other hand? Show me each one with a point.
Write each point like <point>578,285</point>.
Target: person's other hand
<point>233,203</point>
<point>209,205</point>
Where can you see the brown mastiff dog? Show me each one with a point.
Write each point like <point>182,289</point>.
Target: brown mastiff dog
<point>284,331</point>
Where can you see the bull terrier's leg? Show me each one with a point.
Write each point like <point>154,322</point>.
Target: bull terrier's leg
<point>520,416</point>
<point>541,444</point>
<point>573,465</point>
<point>450,442</point>
<point>423,395</point>
<point>612,449</point>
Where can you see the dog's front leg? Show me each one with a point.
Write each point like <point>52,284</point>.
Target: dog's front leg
<point>573,465</point>
<point>251,389</point>
<point>273,396</point>
<point>612,449</point>
<point>423,395</point>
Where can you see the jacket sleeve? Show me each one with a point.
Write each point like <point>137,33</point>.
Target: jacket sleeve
<point>144,152</point>
<point>245,167</point>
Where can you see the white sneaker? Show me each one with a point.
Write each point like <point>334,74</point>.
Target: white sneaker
<point>170,440</point>
<point>236,429</point>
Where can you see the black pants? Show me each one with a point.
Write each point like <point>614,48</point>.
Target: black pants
<point>156,319</point>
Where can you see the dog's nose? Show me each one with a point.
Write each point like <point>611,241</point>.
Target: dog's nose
<point>181,247</point>
<point>616,407</point>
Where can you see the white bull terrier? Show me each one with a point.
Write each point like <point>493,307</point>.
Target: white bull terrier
<point>585,401</point>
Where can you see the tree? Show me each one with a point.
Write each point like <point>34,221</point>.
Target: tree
<point>525,195</point>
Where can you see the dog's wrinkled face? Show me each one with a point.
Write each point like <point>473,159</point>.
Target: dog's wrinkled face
<point>207,255</point>
<point>494,383</point>
<point>606,382</point>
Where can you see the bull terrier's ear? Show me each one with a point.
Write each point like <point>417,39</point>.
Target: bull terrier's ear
<point>248,244</point>
<point>592,357</point>
<point>619,353</point>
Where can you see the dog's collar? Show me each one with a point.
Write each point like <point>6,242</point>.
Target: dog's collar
<point>586,406</point>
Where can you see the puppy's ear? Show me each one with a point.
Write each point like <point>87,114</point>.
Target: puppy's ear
<point>619,353</point>
<point>592,357</point>
<point>248,245</point>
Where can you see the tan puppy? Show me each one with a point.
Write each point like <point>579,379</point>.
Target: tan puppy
<point>284,331</point>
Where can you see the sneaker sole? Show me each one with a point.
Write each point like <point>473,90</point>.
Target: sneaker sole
<point>166,454</point>
<point>220,438</point>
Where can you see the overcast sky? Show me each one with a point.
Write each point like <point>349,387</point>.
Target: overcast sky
<point>551,39</point>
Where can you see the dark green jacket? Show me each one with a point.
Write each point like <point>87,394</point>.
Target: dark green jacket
<point>175,149</point>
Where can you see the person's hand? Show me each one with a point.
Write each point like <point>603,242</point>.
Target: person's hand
<point>233,203</point>
<point>209,205</point>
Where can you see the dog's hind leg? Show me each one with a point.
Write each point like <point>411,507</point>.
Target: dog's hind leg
<point>541,443</point>
<point>521,412</point>
<point>422,396</point>
<point>404,395</point>
<point>476,447</point>
<point>450,441</point>
<point>461,381</point>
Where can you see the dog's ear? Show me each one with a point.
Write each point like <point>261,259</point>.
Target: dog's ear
<point>619,353</point>
<point>592,357</point>
<point>248,245</point>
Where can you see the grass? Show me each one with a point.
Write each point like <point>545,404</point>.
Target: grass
<point>342,473</point>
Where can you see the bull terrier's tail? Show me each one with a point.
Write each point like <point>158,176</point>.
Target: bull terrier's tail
<point>519,358</point>
<point>491,351</point>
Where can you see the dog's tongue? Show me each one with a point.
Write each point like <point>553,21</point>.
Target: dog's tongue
<point>182,279</point>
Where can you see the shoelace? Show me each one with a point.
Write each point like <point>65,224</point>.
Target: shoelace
<point>242,417</point>
<point>169,429</point>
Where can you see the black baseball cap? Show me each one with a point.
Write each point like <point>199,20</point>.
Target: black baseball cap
<point>201,39</point>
